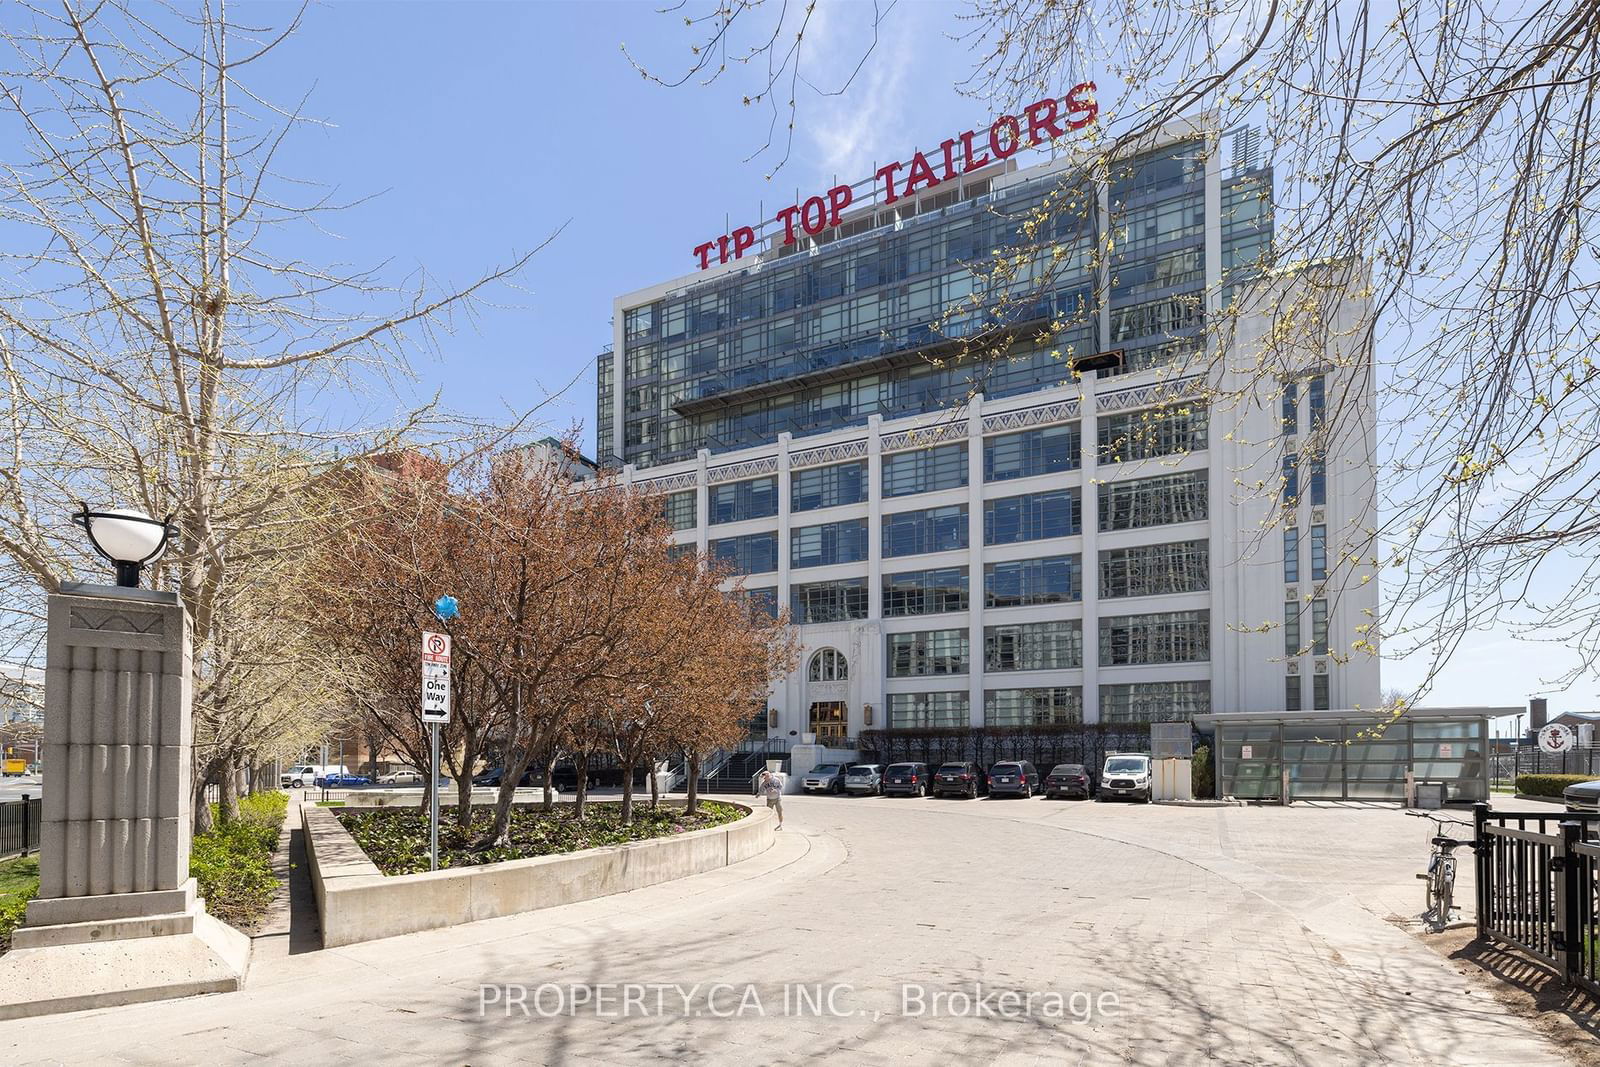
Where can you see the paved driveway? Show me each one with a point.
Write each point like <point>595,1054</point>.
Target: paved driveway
<point>1147,935</point>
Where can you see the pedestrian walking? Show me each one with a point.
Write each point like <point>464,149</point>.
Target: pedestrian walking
<point>771,787</point>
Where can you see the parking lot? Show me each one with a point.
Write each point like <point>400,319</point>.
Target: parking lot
<point>1241,935</point>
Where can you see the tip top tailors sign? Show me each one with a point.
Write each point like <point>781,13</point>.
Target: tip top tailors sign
<point>1043,121</point>
<point>435,677</point>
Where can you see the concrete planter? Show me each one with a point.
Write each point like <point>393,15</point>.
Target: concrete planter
<point>358,902</point>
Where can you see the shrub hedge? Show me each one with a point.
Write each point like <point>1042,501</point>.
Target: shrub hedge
<point>232,863</point>
<point>1549,785</point>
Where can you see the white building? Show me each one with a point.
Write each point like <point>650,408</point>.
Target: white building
<point>1110,546</point>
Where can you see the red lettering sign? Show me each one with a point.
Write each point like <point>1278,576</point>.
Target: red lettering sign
<point>971,150</point>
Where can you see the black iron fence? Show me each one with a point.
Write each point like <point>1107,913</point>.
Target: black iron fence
<point>19,827</point>
<point>1536,886</point>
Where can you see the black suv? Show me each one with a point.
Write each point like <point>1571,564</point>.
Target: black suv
<point>1014,776</point>
<point>906,779</point>
<point>958,779</point>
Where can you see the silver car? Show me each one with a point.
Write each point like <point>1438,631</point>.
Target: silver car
<point>864,779</point>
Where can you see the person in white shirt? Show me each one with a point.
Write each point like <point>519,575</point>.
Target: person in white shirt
<point>771,787</point>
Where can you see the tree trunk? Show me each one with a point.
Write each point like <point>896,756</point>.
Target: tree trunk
<point>655,786</point>
<point>692,804</point>
<point>228,805</point>
<point>203,819</point>
<point>550,784</point>
<point>627,793</point>
<point>580,760</point>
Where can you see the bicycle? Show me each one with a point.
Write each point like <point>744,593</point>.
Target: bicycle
<point>1441,873</point>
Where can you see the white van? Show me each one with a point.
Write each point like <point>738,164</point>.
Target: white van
<point>301,775</point>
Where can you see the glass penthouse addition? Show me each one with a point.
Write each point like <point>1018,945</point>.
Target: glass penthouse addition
<point>828,332</point>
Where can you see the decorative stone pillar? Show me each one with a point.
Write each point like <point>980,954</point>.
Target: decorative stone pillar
<point>117,919</point>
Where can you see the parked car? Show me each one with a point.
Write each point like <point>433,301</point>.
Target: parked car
<point>342,781</point>
<point>494,775</point>
<point>1585,796</point>
<point>1018,777</point>
<point>1067,780</point>
<point>407,777</point>
<point>863,779</point>
<point>907,779</point>
<point>302,775</point>
<point>1126,774</point>
<point>958,779</point>
<point>825,778</point>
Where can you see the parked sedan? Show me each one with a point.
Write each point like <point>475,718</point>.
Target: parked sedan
<point>1067,780</point>
<point>1585,796</point>
<point>864,779</point>
<point>492,778</point>
<point>958,779</point>
<point>342,781</point>
<point>907,779</point>
<point>827,778</point>
<point>1019,778</point>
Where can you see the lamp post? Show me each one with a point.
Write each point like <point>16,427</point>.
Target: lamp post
<point>129,539</point>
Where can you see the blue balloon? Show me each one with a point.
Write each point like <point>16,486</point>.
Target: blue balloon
<point>446,608</point>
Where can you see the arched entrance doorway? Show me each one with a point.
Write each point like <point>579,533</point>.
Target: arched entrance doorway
<point>827,683</point>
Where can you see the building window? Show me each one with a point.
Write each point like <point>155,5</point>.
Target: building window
<point>1158,501</point>
<point>736,501</point>
<point>935,711</point>
<point>910,533</point>
<point>1022,582</point>
<point>1316,402</point>
<point>1291,693</point>
<point>1033,646</point>
<point>1319,692</point>
<point>831,542</point>
<point>1319,627</point>
<point>944,467</point>
<point>1319,552</point>
<point>828,487</point>
<point>929,652</point>
<point>1031,453</point>
<point>829,665</point>
<point>1319,483</point>
<point>750,554</point>
<point>1154,701</point>
<point>1139,435</point>
<point>1291,555</point>
<point>686,550</point>
<point>1291,628</point>
<point>924,592</point>
<point>1291,479</point>
<point>1162,637</point>
<point>679,510</point>
<point>1290,415</point>
<point>761,604</point>
<point>1155,570</point>
<point>1030,517</point>
<point>838,601</point>
<point>1051,706</point>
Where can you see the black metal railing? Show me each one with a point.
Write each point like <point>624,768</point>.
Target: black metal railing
<point>1536,883</point>
<point>19,827</point>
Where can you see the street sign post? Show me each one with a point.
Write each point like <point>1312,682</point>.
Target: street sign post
<point>435,710</point>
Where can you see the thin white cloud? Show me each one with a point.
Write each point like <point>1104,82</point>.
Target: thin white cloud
<point>846,131</point>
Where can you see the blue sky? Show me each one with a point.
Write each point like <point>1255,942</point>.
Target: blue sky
<point>484,127</point>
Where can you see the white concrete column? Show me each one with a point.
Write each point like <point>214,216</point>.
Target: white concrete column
<point>1089,573</point>
<point>975,558</point>
<point>875,519</point>
<point>702,501</point>
<point>783,519</point>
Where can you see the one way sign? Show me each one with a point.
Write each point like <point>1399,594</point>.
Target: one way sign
<point>435,677</point>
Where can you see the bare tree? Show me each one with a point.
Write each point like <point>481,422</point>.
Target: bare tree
<point>164,344</point>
